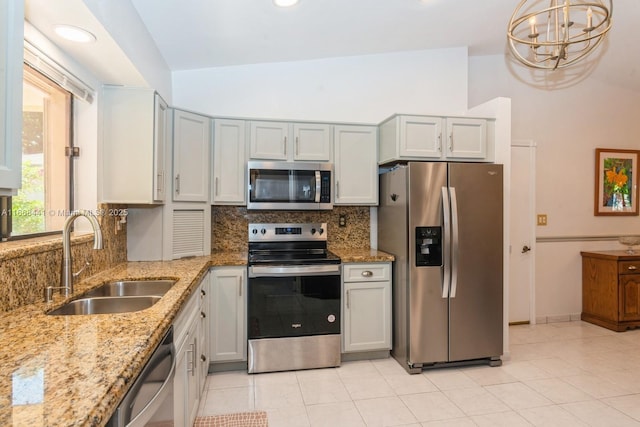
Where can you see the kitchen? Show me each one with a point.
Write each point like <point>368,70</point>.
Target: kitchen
<point>459,80</point>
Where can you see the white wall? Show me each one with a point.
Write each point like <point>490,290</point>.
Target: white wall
<point>567,122</point>
<point>363,89</point>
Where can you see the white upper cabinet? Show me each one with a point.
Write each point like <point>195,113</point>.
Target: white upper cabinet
<point>268,140</point>
<point>356,168</point>
<point>191,145</point>
<point>284,141</point>
<point>11,46</point>
<point>312,142</point>
<point>229,162</point>
<point>407,137</point>
<point>466,138</point>
<point>135,140</point>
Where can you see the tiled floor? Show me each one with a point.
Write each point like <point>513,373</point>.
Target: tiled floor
<point>560,374</point>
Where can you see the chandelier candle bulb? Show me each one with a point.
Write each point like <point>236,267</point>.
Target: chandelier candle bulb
<point>589,18</point>
<point>532,24</point>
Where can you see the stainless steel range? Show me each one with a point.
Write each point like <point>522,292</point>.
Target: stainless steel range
<point>293,298</point>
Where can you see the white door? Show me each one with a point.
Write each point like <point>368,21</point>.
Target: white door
<point>522,259</point>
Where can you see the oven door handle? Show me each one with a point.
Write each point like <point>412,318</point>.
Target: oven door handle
<point>294,270</point>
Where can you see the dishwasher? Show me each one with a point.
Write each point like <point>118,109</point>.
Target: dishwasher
<point>150,399</point>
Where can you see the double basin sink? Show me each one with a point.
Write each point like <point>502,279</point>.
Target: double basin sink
<point>122,296</point>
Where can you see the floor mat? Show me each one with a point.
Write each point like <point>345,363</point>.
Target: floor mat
<point>241,419</point>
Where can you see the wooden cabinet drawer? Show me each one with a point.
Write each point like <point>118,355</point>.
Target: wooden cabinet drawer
<point>367,272</point>
<point>629,267</point>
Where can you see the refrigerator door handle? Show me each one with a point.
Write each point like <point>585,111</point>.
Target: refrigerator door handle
<point>454,242</point>
<point>446,262</point>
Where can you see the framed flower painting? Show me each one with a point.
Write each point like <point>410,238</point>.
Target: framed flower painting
<point>616,190</point>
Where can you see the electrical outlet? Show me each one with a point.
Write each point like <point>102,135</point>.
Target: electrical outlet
<point>542,219</point>
<point>342,221</point>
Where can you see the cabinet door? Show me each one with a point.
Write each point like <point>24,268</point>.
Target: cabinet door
<point>130,158</point>
<point>229,163</point>
<point>356,165</point>
<point>629,297</point>
<point>11,47</point>
<point>180,387</point>
<point>367,316</point>
<point>466,138</point>
<point>193,383</point>
<point>160,137</point>
<point>228,312</point>
<point>191,144</point>
<point>311,142</point>
<point>421,136</point>
<point>268,140</point>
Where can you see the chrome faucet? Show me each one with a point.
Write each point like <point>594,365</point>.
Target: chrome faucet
<point>66,278</point>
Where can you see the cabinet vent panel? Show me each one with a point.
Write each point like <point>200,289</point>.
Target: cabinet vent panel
<point>188,233</point>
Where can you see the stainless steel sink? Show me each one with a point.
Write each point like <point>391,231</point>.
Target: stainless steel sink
<point>106,305</point>
<point>132,288</point>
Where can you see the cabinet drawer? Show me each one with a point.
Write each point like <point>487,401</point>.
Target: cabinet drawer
<point>366,272</point>
<point>629,267</point>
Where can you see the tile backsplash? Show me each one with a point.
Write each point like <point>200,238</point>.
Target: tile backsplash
<point>229,225</point>
<point>27,267</point>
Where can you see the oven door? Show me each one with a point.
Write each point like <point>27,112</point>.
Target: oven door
<point>293,301</point>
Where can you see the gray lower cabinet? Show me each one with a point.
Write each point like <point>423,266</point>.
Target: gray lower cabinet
<point>191,356</point>
<point>366,307</point>
<point>228,309</point>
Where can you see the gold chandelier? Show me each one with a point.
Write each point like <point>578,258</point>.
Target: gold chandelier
<point>557,35</point>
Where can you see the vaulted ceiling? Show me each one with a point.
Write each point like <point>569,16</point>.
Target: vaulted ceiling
<point>193,34</point>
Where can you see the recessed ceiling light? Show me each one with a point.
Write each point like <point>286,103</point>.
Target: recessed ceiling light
<point>284,3</point>
<point>74,34</point>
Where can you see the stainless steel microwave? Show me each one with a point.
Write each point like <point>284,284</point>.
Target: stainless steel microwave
<point>289,185</point>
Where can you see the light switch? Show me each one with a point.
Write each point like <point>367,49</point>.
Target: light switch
<point>542,219</point>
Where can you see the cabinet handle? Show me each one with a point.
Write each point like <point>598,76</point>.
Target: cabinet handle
<point>347,299</point>
<point>203,293</point>
<point>216,186</point>
<point>632,267</point>
<point>191,363</point>
<point>203,358</point>
<point>285,146</point>
<point>297,146</point>
<point>337,189</point>
<point>367,273</point>
<point>439,143</point>
<point>451,142</point>
<point>178,184</point>
<point>160,182</point>
<point>239,287</point>
<point>203,315</point>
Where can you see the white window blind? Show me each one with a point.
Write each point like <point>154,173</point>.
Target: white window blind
<point>38,60</point>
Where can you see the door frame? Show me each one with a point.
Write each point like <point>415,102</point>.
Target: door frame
<point>531,231</point>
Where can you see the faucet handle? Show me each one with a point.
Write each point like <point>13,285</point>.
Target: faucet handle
<point>77,273</point>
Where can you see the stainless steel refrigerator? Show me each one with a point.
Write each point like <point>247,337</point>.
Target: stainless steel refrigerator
<point>443,223</point>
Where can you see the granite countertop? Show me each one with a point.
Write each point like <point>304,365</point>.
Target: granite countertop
<point>74,370</point>
<point>362,255</point>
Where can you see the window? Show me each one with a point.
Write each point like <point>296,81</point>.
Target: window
<point>42,203</point>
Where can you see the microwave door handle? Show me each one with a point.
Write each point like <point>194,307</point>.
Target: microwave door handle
<point>317,200</point>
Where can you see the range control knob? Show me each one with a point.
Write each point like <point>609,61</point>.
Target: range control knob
<point>263,231</point>
<point>313,231</point>
<point>321,231</point>
<point>254,231</point>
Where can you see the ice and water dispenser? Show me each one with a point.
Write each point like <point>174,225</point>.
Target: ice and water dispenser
<point>428,246</point>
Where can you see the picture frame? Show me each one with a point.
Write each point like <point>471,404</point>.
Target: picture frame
<point>616,182</point>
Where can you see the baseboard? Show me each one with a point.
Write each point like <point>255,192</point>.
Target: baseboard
<point>558,318</point>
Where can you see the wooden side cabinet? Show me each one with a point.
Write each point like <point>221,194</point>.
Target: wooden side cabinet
<point>611,289</point>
